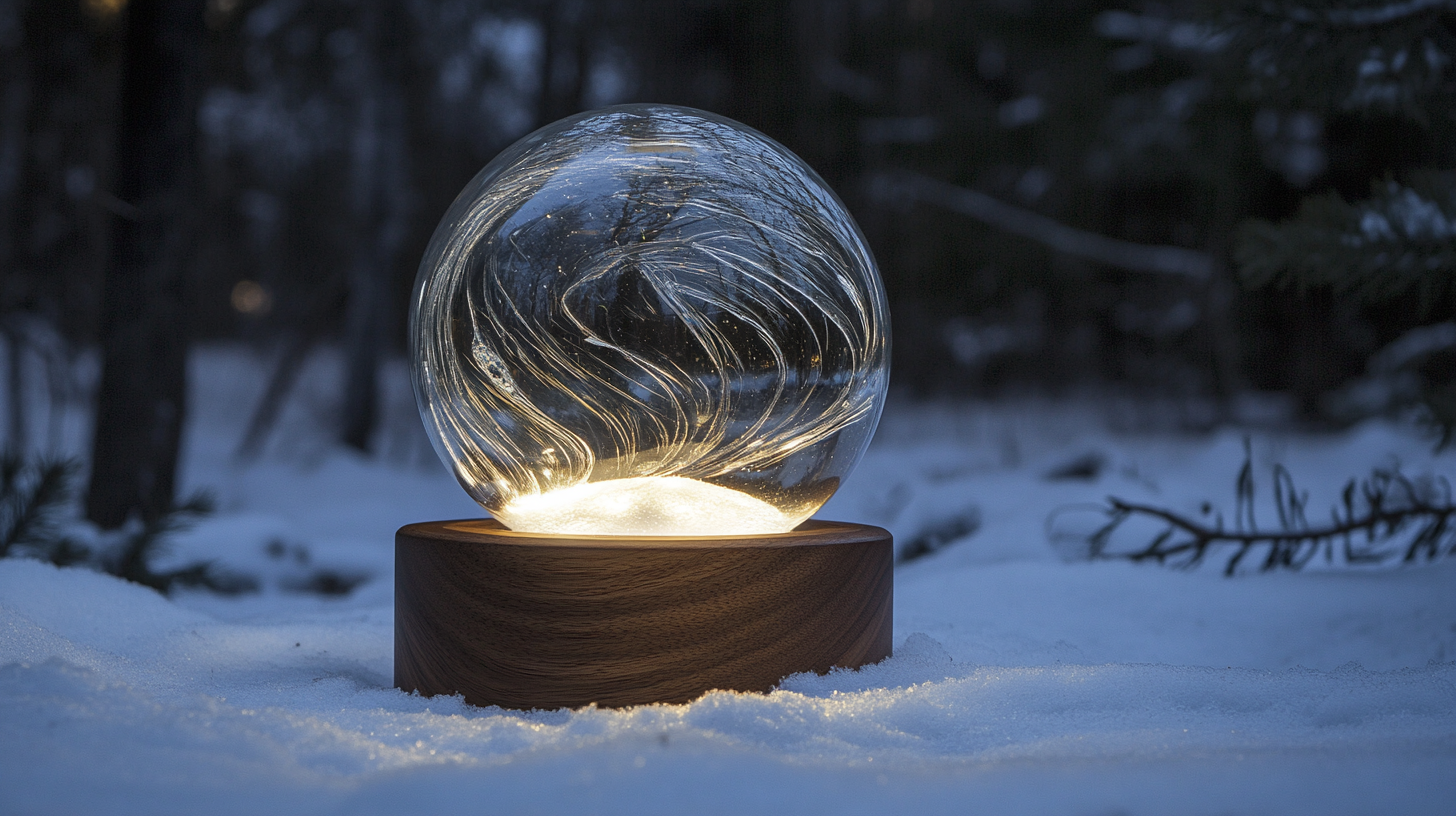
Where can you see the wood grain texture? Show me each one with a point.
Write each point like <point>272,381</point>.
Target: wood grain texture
<point>542,621</point>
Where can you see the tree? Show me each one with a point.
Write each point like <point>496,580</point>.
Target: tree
<point>380,198</point>
<point>142,401</point>
<point>56,64</point>
<point>1381,69</point>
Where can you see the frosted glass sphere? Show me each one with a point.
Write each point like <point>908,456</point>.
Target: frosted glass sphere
<point>649,321</point>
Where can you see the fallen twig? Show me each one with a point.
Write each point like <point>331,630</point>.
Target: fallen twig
<point>1374,516</point>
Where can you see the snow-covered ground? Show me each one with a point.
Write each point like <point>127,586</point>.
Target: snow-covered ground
<point>1021,682</point>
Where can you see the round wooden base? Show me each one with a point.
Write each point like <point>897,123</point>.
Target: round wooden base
<point>545,621</point>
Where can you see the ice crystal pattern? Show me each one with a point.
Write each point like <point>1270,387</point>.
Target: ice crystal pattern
<point>651,321</point>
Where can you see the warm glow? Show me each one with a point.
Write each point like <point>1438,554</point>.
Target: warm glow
<point>105,9</point>
<point>645,506</point>
<point>250,298</point>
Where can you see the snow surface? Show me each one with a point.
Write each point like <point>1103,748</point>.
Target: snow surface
<point>1021,682</point>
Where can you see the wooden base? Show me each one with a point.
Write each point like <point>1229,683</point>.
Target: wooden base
<point>545,621</point>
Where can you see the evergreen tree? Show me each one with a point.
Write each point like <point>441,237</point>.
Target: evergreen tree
<point>1388,69</point>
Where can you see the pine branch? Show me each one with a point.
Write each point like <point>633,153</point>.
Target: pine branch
<point>133,559</point>
<point>1374,514</point>
<point>1374,14</point>
<point>33,499</point>
<point>1390,58</point>
<point>1401,239</point>
<point>29,510</point>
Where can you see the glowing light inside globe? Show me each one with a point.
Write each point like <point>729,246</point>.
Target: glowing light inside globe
<point>645,505</point>
<point>649,321</point>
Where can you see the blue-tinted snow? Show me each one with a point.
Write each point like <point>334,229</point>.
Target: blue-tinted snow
<point>1022,683</point>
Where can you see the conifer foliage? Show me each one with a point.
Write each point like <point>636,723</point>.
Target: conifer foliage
<point>132,559</point>
<point>36,500</point>
<point>1393,62</point>
<point>1399,240</point>
<point>33,500</point>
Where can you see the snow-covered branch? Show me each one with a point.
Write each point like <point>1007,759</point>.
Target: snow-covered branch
<point>1373,15</point>
<point>1168,260</point>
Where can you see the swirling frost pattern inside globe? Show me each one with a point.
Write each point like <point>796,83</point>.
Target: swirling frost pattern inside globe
<point>647,321</point>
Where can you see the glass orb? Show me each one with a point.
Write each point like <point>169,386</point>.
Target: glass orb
<point>649,321</point>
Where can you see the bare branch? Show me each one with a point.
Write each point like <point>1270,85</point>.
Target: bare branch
<point>1375,512</point>
<point>1162,259</point>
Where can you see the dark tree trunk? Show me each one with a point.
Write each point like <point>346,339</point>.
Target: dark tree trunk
<point>545,98</point>
<point>566,31</point>
<point>14,105</point>
<point>142,402</point>
<point>52,240</point>
<point>17,434</point>
<point>381,193</point>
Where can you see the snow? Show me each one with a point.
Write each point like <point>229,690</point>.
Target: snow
<point>1022,683</point>
<point>1409,214</point>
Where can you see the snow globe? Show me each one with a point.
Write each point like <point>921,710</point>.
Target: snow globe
<point>650,342</point>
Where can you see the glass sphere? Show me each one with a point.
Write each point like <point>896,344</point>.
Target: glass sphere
<point>649,320</point>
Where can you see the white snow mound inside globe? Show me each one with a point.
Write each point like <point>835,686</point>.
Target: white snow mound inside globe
<point>645,505</point>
